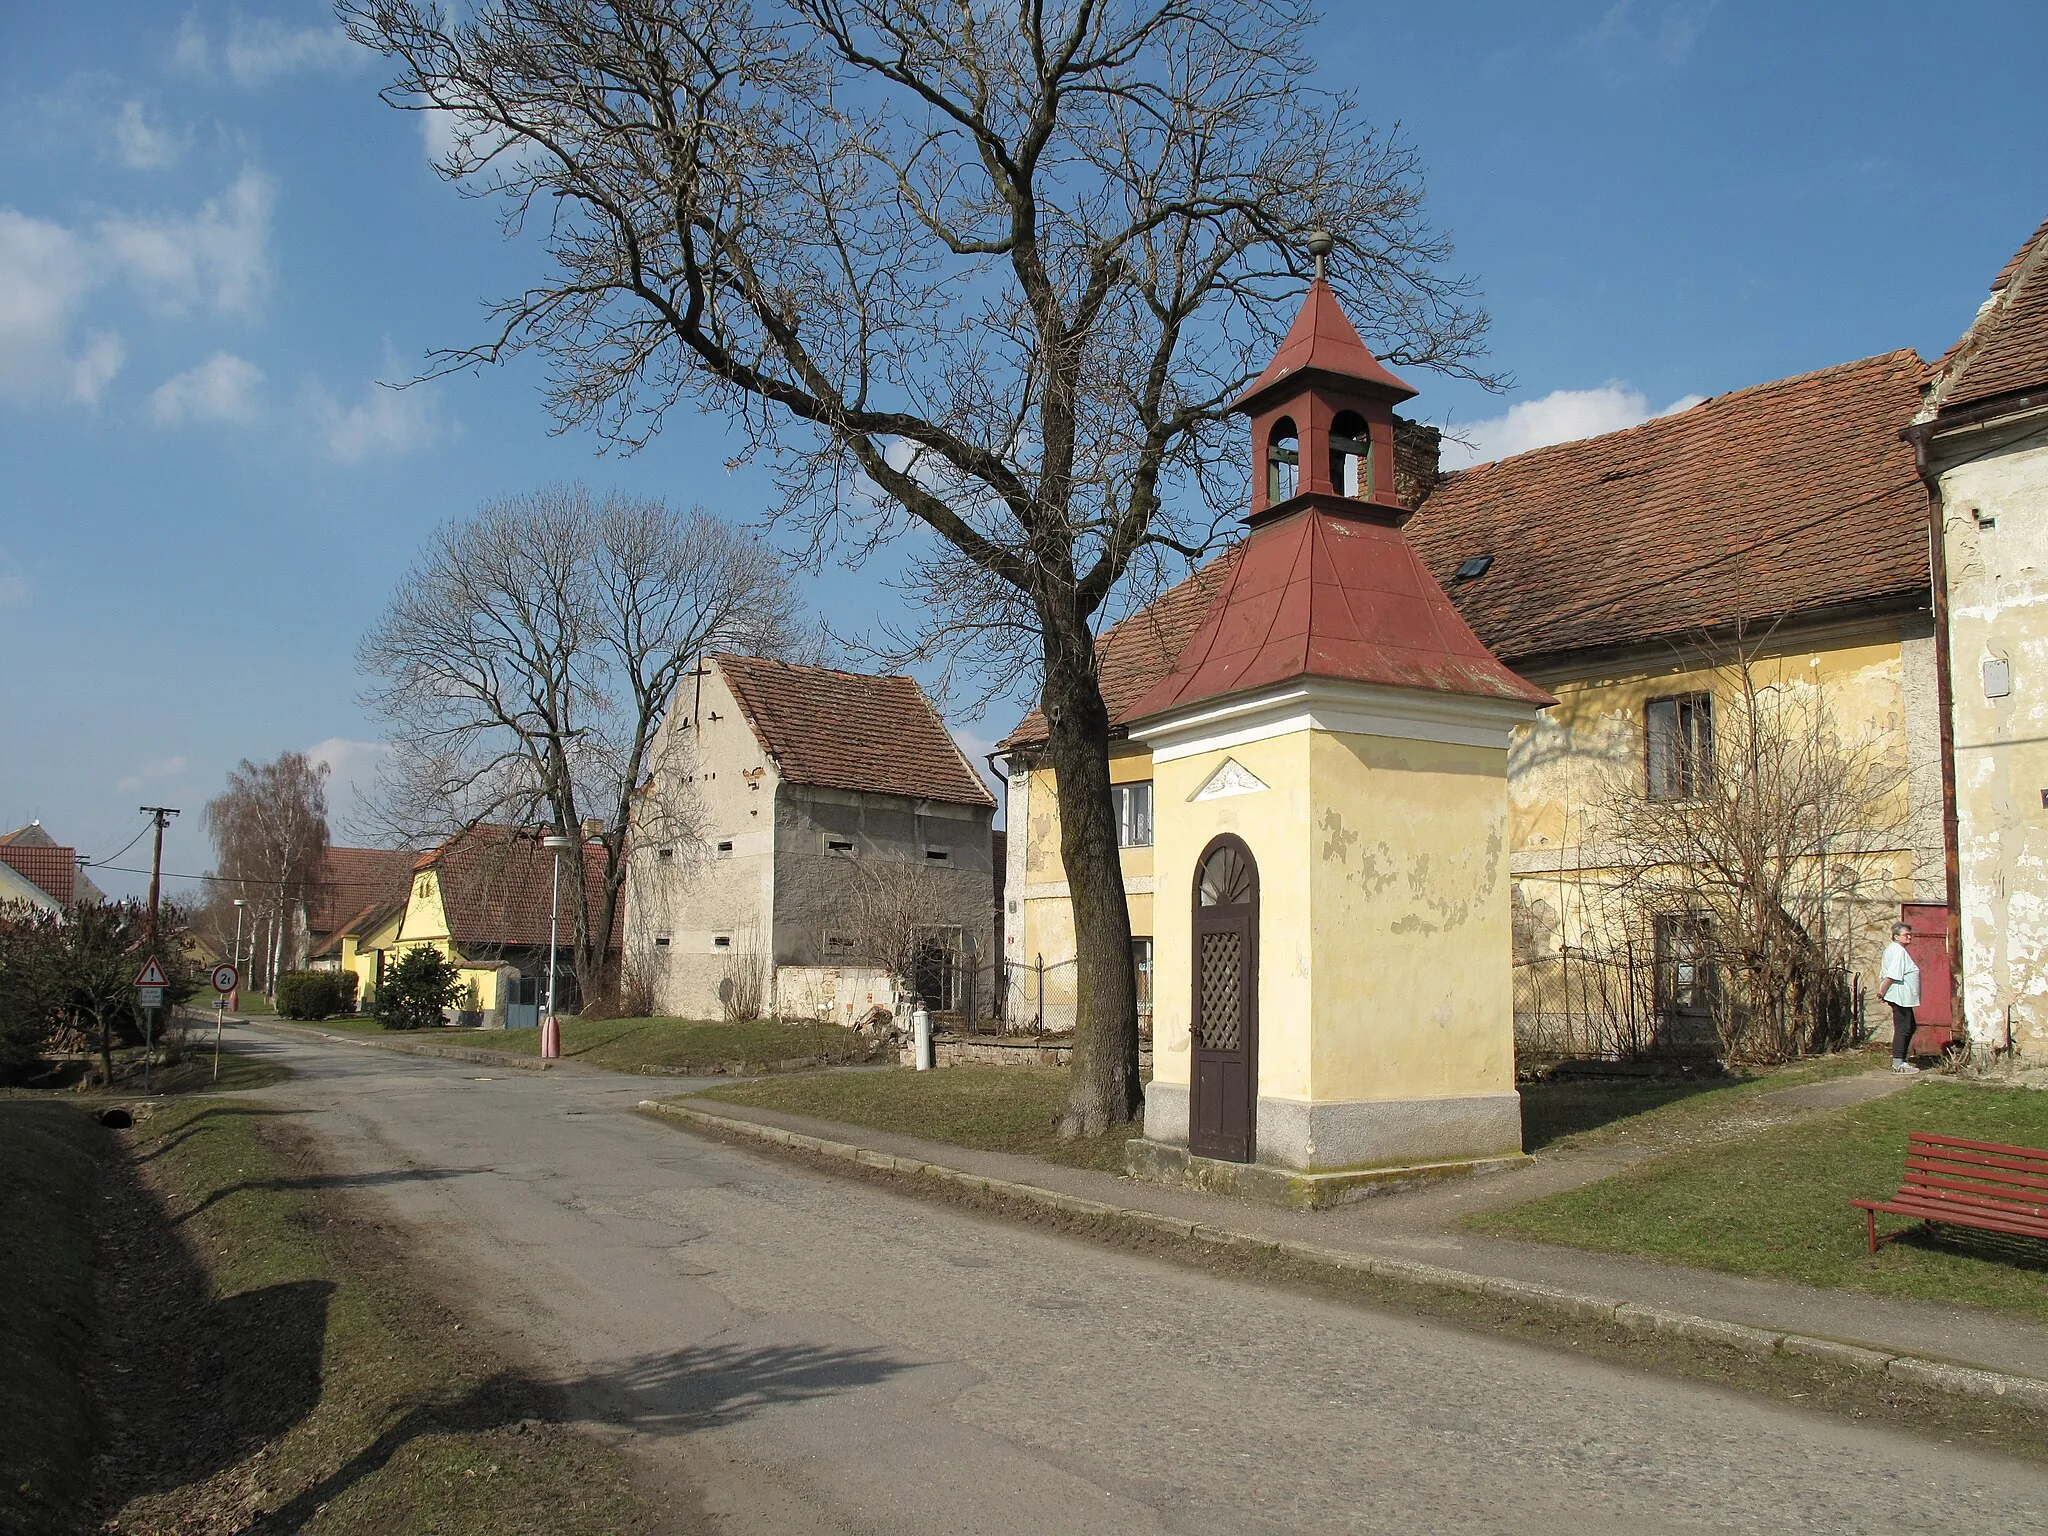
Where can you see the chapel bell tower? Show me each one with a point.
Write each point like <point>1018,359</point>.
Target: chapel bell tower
<point>1333,1002</point>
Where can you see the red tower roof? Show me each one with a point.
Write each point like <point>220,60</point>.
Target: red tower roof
<point>1322,340</point>
<point>1324,593</point>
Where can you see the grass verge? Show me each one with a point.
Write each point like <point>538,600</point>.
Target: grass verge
<point>994,1109</point>
<point>1575,1112</point>
<point>658,1046</point>
<point>274,1361</point>
<point>51,1152</point>
<point>1777,1204</point>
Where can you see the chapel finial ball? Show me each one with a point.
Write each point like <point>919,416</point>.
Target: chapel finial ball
<point>1320,244</point>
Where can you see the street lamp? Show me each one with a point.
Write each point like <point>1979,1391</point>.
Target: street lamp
<point>555,842</point>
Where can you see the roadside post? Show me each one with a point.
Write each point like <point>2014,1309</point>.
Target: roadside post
<point>921,1038</point>
<point>224,981</point>
<point>149,994</point>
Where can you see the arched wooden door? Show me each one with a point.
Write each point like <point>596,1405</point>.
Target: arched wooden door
<point>1225,1014</point>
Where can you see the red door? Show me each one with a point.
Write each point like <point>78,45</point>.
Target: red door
<point>1929,950</point>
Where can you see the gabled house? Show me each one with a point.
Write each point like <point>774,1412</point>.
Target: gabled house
<point>52,868</point>
<point>790,805</point>
<point>1616,573</point>
<point>351,884</point>
<point>482,899</point>
<point>1981,434</point>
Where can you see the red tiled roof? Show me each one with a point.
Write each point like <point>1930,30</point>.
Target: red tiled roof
<point>1322,340</point>
<point>497,883</point>
<point>1331,594</point>
<point>53,869</point>
<point>2005,350</point>
<point>848,730</point>
<point>352,880</point>
<point>1786,497</point>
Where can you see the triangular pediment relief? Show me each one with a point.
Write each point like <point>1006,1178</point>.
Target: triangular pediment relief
<point>1231,778</point>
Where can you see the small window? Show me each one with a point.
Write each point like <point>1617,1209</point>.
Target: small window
<point>1283,461</point>
<point>661,941</point>
<point>937,855</point>
<point>723,941</point>
<point>1351,456</point>
<point>839,944</point>
<point>1678,746</point>
<point>841,845</point>
<point>665,853</point>
<point>726,846</point>
<point>1473,569</point>
<point>1132,804</point>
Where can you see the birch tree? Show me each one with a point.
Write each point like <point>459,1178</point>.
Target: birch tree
<point>986,273</point>
<point>269,831</point>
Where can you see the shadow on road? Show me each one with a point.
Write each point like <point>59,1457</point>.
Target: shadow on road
<point>198,1126</point>
<point>330,1181</point>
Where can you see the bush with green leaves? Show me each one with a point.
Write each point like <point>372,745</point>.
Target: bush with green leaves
<point>315,994</point>
<point>31,985</point>
<point>417,989</point>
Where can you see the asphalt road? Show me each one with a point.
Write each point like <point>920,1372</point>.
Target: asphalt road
<point>786,1352</point>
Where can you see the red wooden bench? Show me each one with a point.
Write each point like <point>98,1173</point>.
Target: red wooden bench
<point>1959,1183</point>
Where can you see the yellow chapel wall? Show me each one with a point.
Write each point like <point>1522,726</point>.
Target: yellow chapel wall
<point>1411,974</point>
<point>1274,824</point>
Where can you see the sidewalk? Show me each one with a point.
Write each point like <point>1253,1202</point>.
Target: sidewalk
<point>1413,1236</point>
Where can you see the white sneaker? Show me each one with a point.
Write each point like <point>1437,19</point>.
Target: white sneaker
<point>1904,1066</point>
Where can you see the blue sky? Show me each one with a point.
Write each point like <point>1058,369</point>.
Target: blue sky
<point>215,240</point>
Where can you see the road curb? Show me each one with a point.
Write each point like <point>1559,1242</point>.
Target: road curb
<point>1757,1343</point>
<point>410,1047</point>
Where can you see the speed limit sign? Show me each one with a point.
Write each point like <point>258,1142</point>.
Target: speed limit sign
<point>224,978</point>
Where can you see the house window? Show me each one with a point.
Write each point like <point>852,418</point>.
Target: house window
<point>726,846</point>
<point>1685,971</point>
<point>723,941</point>
<point>937,855</point>
<point>1132,804</point>
<point>1678,746</point>
<point>838,945</point>
<point>1283,461</point>
<point>665,853</point>
<point>1141,968</point>
<point>839,845</point>
<point>661,941</point>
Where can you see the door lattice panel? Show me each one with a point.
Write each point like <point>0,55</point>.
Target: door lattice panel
<point>1222,1023</point>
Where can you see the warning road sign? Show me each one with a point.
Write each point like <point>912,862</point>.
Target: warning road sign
<point>152,975</point>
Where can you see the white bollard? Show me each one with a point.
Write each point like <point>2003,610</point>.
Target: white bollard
<point>921,1038</point>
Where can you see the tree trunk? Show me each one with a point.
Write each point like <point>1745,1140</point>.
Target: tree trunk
<point>106,1055</point>
<point>1105,1088</point>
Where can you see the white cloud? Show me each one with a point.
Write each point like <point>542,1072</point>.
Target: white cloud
<point>154,768</point>
<point>219,256</point>
<point>223,388</point>
<point>218,259</point>
<point>46,272</point>
<point>1659,34</point>
<point>259,51</point>
<point>352,772</point>
<point>1562,416</point>
<point>142,145</point>
<point>383,424</point>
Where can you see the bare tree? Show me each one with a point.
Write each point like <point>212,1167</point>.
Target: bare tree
<point>525,661</point>
<point>269,831</point>
<point>891,907</point>
<point>993,274</point>
<point>1751,838</point>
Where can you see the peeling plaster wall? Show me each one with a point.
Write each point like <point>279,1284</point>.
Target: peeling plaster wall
<point>1878,684</point>
<point>1998,611</point>
<point>699,894</point>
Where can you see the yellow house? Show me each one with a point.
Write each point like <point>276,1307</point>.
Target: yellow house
<point>1775,534</point>
<point>483,900</point>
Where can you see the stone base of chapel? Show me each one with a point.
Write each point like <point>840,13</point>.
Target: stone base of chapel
<point>1315,1155</point>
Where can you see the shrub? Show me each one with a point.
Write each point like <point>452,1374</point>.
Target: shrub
<point>417,989</point>
<point>314,994</point>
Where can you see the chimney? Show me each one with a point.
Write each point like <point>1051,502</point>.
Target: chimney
<point>1415,461</point>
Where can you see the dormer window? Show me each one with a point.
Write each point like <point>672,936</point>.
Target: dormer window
<point>1283,461</point>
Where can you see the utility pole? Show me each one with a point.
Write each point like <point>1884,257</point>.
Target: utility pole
<point>162,815</point>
